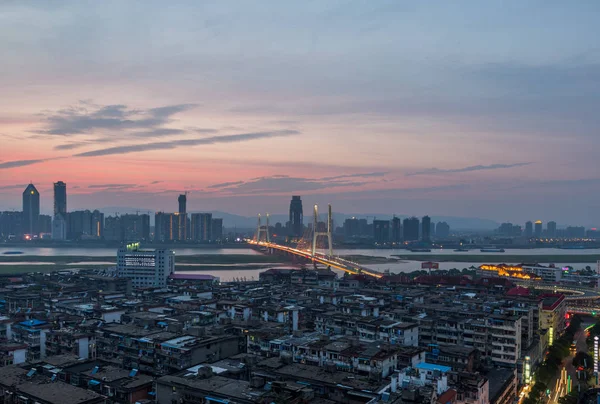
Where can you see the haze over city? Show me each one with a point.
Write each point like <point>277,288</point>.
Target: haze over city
<point>376,107</point>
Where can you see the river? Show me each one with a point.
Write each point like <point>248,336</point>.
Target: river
<point>253,273</point>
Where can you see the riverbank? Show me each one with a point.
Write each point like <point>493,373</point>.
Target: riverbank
<point>499,258</point>
<point>180,259</point>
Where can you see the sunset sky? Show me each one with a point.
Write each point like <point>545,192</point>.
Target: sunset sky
<point>460,108</point>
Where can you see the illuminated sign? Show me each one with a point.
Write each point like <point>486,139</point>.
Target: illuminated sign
<point>527,371</point>
<point>596,354</point>
<point>551,336</point>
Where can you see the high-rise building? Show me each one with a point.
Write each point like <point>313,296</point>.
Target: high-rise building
<point>381,231</point>
<point>59,227</point>
<point>432,230</point>
<point>296,217</point>
<point>10,225</point>
<point>537,231</point>
<point>60,199</point>
<point>183,218</point>
<point>98,224</point>
<point>145,268</point>
<point>45,224</point>
<point>396,230</point>
<point>166,226</point>
<point>529,229</point>
<point>201,227</point>
<point>411,229</point>
<point>79,224</point>
<point>442,230</point>
<point>426,228</point>
<point>551,229</point>
<point>351,228</point>
<point>217,229</point>
<point>31,211</point>
<point>126,227</point>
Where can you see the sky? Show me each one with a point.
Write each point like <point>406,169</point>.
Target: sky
<point>464,108</point>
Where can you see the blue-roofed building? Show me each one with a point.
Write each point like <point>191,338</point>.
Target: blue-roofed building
<point>33,333</point>
<point>424,374</point>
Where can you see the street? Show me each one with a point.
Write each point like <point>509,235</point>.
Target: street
<point>559,384</point>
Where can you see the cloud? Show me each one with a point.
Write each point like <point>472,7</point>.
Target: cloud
<point>112,186</point>
<point>155,182</point>
<point>375,174</point>
<point>16,186</point>
<point>284,183</point>
<point>243,137</point>
<point>225,184</point>
<point>467,169</point>
<point>86,118</point>
<point>70,146</point>
<point>20,163</point>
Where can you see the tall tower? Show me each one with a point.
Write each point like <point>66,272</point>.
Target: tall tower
<point>31,210</point>
<point>426,228</point>
<point>60,199</point>
<point>182,236</point>
<point>296,217</point>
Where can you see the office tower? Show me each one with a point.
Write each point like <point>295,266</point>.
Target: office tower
<point>201,227</point>
<point>551,229</point>
<point>396,230</point>
<point>575,232</point>
<point>145,268</point>
<point>442,230</point>
<point>183,233</point>
<point>217,229</point>
<point>296,217</point>
<point>528,229</point>
<point>426,228</point>
<point>31,210</point>
<point>537,231</point>
<point>411,229</point>
<point>432,230</point>
<point>97,224</point>
<point>381,231</point>
<point>60,199</point>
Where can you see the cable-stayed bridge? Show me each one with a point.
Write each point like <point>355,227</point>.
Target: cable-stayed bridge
<point>315,245</point>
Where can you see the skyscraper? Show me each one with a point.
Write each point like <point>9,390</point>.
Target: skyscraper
<point>182,235</point>
<point>296,217</point>
<point>426,228</point>
<point>217,229</point>
<point>411,229</point>
<point>31,210</point>
<point>60,199</point>
<point>396,230</point>
<point>528,229</point>
<point>442,230</point>
<point>381,231</point>
<point>537,231</point>
<point>551,229</point>
<point>201,227</point>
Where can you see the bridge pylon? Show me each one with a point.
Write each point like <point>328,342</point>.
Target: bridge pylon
<point>264,230</point>
<point>317,233</point>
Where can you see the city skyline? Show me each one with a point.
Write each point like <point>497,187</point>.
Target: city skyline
<point>386,108</point>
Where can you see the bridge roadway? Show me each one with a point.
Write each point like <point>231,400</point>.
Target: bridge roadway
<point>580,300</point>
<point>333,262</point>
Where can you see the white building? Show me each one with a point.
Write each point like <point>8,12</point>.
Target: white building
<point>59,228</point>
<point>145,268</point>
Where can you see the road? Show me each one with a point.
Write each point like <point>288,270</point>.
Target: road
<point>559,383</point>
